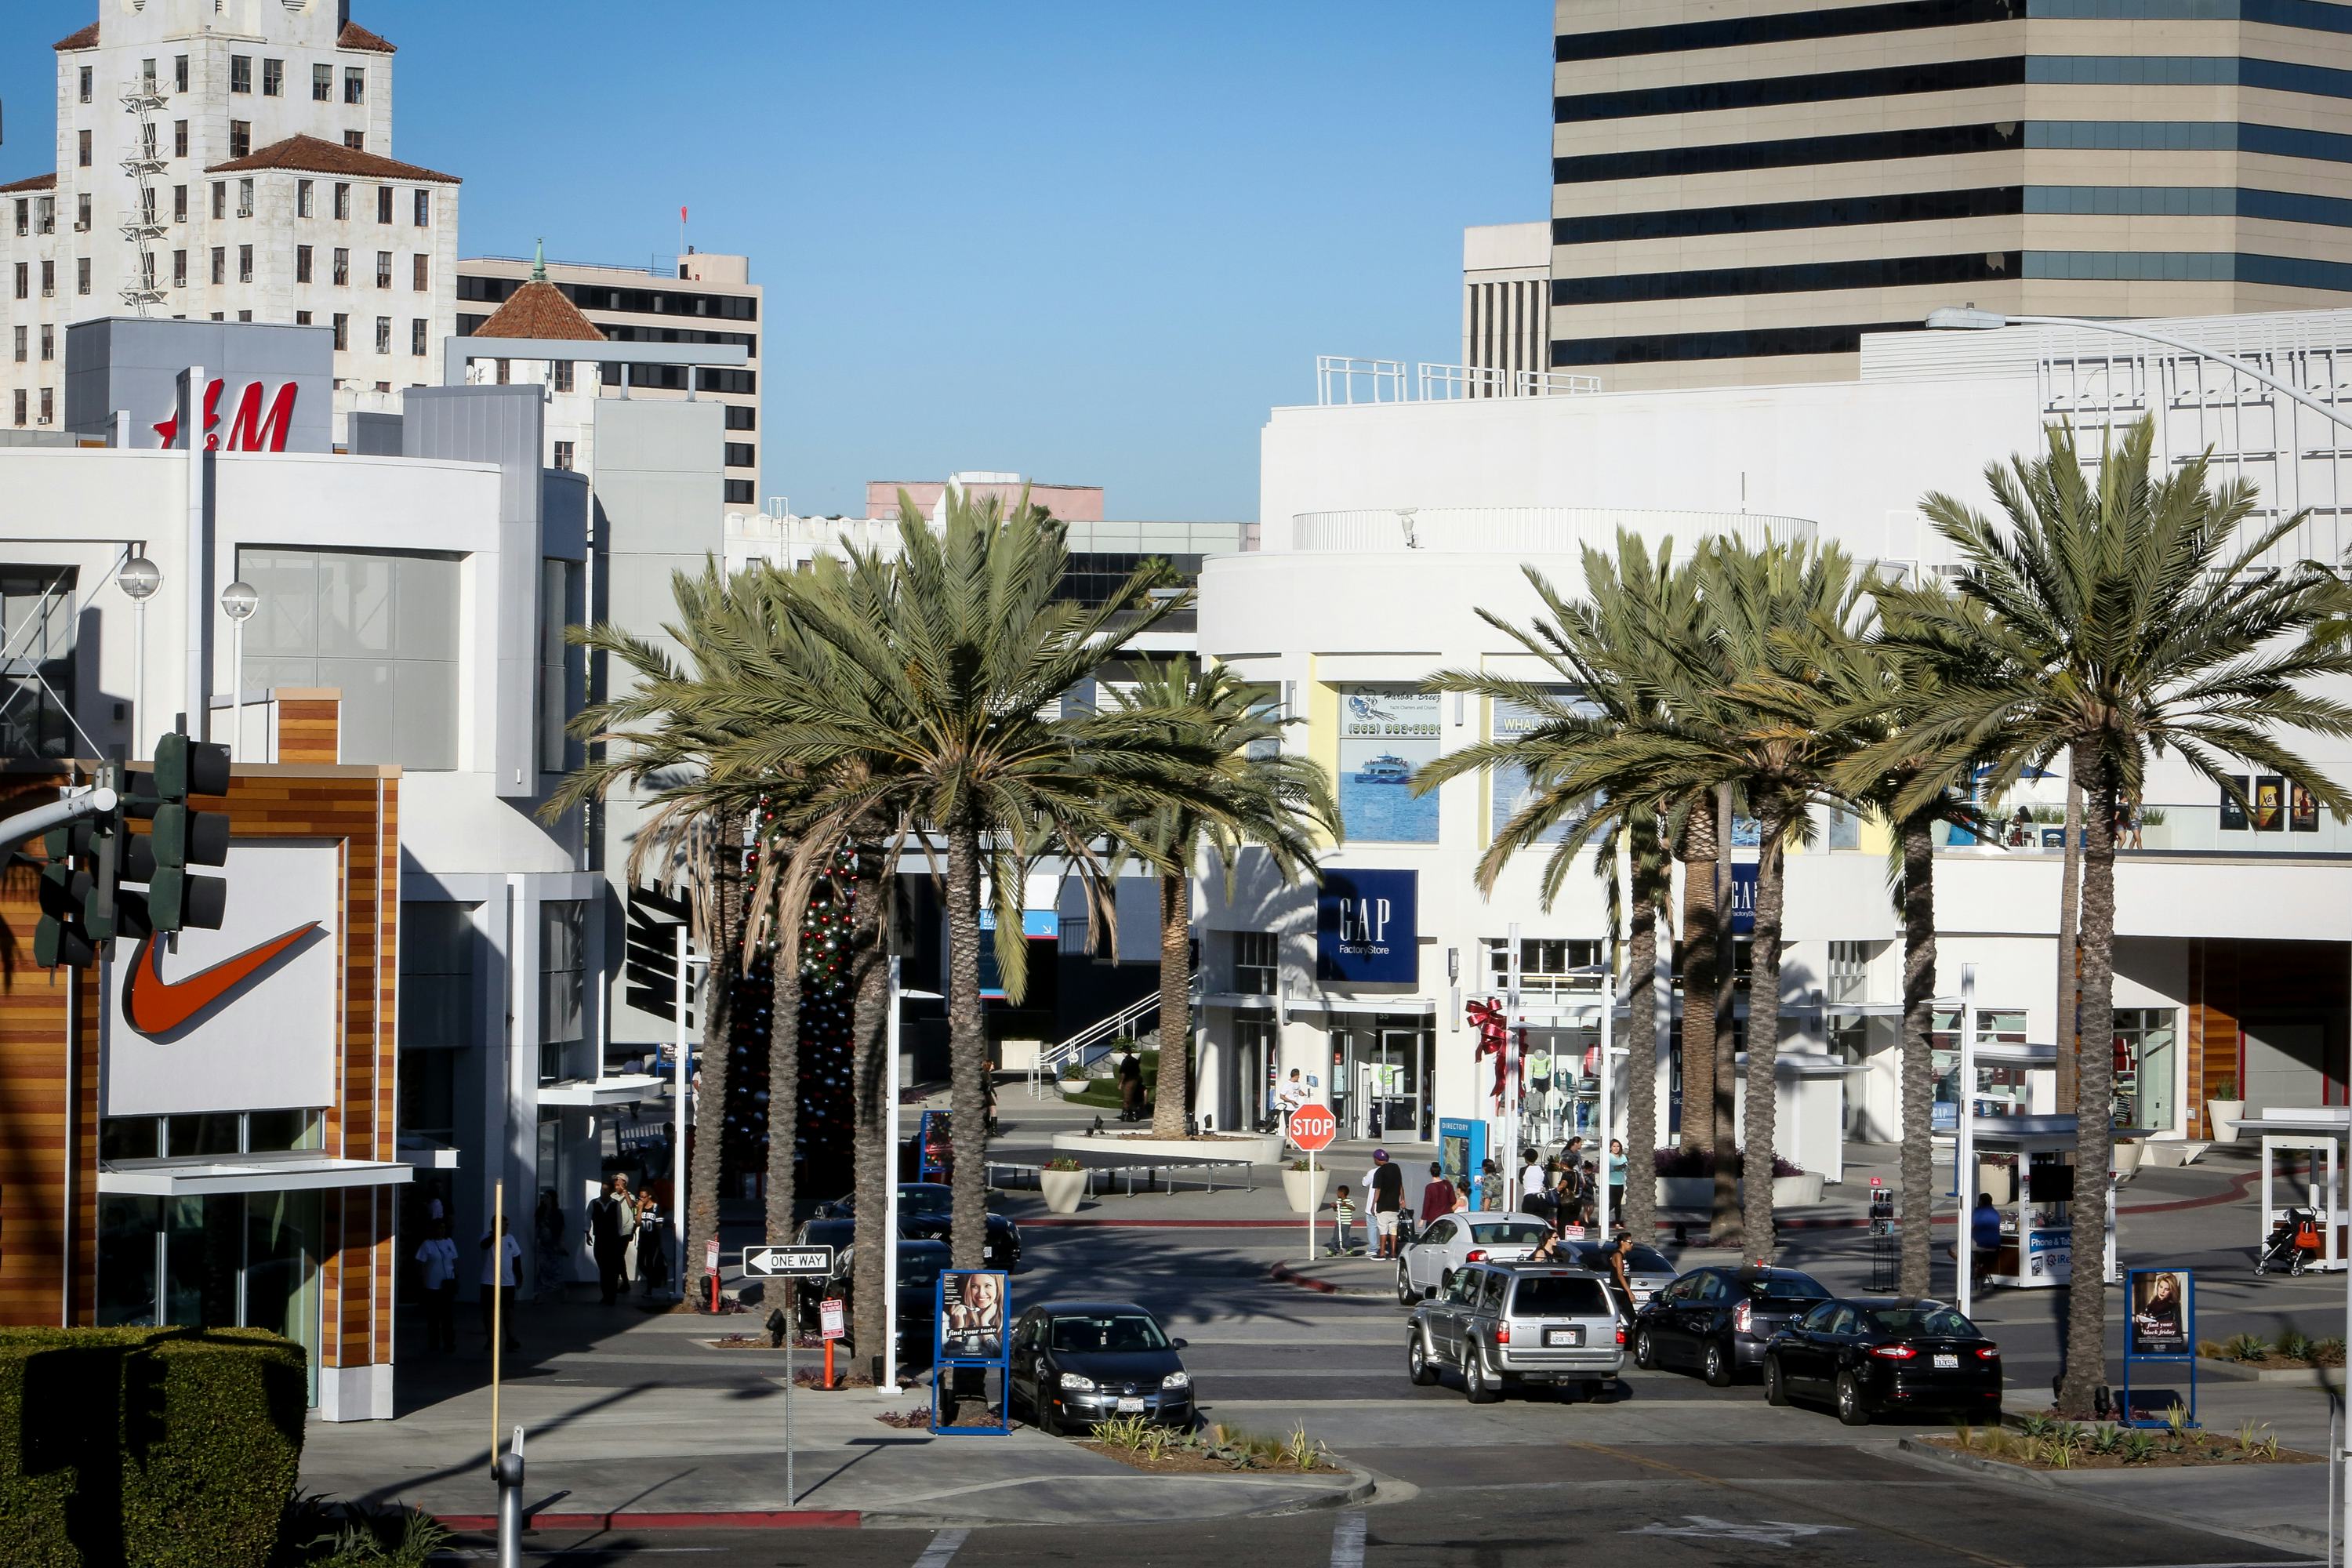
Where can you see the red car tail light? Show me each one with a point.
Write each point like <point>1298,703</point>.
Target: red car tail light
<point>1502,1332</point>
<point>1620,1333</point>
<point>1743,1317</point>
<point>1892,1352</point>
<point>1987,1353</point>
<point>1476,1255</point>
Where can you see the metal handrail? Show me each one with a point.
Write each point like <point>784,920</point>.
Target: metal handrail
<point>1101,1032</point>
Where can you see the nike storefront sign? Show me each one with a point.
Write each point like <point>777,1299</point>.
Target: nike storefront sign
<point>158,1007</point>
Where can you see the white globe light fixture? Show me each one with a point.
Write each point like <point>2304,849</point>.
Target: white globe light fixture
<point>238,602</point>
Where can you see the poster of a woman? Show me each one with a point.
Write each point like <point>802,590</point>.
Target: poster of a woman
<point>2159,1319</point>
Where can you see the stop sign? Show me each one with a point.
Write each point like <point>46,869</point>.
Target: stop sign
<point>1312,1128</point>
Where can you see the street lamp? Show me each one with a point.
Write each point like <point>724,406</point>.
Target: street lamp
<point>138,578</point>
<point>238,602</point>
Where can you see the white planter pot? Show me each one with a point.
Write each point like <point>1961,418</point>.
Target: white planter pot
<point>2124,1158</point>
<point>1797,1192</point>
<point>1073,1086</point>
<point>2222,1118</point>
<point>1305,1188</point>
<point>1062,1189</point>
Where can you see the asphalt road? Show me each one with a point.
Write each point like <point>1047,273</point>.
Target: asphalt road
<point>1672,1473</point>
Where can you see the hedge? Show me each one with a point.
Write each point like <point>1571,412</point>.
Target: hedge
<point>143,1448</point>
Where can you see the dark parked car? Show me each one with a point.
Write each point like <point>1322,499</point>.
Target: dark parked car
<point>927,1209</point>
<point>1878,1353</point>
<point>919,1263</point>
<point>1716,1322</point>
<point>1077,1362</point>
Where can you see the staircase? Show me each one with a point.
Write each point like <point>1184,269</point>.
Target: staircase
<point>1074,1055</point>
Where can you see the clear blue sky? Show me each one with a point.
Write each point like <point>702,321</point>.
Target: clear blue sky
<point>1092,241</point>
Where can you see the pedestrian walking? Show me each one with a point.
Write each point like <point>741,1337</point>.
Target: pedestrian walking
<point>1612,1264</point>
<point>1531,1178</point>
<point>499,1283</point>
<point>1293,1095</point>
<point>438,1259</point>
<point>1461,1193</point>
<point>1490,1186</point>
<point>549,1231</point>
<point>1343,1215</point>
<point>611,1225</point>
<point>1616,1175</point>
<point>652,1253</point>
<point>1131,1088</point>
<point>1437,1198</point>
<point>1388,1196</point>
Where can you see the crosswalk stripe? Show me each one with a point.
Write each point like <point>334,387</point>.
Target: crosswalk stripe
<point>942,1548</point>
<point>1347,1540</point>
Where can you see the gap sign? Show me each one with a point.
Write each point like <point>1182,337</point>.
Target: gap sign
<point>1368,927</point>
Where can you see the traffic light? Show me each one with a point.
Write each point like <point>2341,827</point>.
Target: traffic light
<point>183,836</point>
<point>67,884</point>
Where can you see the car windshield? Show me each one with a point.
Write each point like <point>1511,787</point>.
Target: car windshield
<point>1112,1332</point>
<point>919,1269</point>
<point>1509,1232</point>
<point>1930,1323</point>
<point>1788,1287</point>
<point>926,1200</point>
<point>1560,1294</point>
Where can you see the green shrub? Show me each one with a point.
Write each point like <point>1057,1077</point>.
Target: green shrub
<point>146,1447</point>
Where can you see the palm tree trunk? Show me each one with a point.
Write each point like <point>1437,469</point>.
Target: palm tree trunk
<point>874,1162</point>
<point>1698,979</point>
<point>783,1087</point>
<point>725,870</point>
<point>1641,1215</point>
<point>1756,1222</point>
<point>1174,1094</point>
<point>1723,1228</point>
<point>967,1049</point>
<point>1918,1169</point>
<point>2086,1304</point>
<point>2070,896</point>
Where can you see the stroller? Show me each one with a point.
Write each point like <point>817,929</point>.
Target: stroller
<point>2295,1240</point>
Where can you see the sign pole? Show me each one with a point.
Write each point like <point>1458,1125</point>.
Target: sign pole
<point>791,1330</point>
<point>1310,1206</point>
<point>1608,1070</point>
<point>1512,1024</point>
<point>1964,1146</point>
<point>678,1117</point>
<point>498,1321</point>
<point>889,1384</point>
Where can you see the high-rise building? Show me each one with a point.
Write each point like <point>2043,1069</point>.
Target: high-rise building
<point>708,298</point>
<point>1742,188</point>
<point>231,161</point>
<point>1505,304</point>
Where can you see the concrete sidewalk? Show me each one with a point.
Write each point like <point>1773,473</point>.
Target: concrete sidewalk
<point>645,1420</point>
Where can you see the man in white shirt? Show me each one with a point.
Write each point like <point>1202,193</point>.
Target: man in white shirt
<point>1531,1178</point>
<point>499,1284</point>
<point>1293,1095</point>
<point>437,1257</point>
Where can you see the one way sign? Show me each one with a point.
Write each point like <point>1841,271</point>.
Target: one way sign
<point>791,1262</point>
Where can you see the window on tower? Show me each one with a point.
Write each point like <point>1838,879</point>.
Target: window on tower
<point>240,73</point>
<point>273,78</point>
<point>322,84</point>
<point>240,138</point>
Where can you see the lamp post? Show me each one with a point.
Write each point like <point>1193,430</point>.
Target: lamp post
<point>138,579</point>
<point>238,602</point>
<point>1968,318</point>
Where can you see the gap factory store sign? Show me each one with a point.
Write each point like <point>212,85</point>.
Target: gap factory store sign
<point>1368,927</point>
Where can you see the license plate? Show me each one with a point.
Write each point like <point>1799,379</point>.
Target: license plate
<point>1567,1336</point>
<point>1948,1363</point>
<point>1130,1407</point>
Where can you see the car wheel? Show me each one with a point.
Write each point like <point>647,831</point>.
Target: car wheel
<point>1645,1351</point>
<point>1417,1364</point>
<point>1476,1382</point>
<point>1406,1294</point>
<point>1718,1366</point>
<point>1776,1389</point>
<point>1850,1407</point>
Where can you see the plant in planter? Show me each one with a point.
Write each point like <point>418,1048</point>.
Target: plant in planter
<point>1304,1187</point>
<point>1063,1181</point>
<point>2222,1112</point>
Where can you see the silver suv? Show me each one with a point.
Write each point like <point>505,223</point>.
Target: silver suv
<point>1507,1324</point>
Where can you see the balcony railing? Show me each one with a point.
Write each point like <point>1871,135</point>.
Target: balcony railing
<point>1346,380</point>
<point>2168,828</point>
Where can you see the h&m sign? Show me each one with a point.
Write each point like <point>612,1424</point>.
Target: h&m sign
<point>1368,927</point>
<point>250,429</point>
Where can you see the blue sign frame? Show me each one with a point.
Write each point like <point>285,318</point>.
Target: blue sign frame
<point>2134,1335</point>
<point>943,1364</point>
<point>927,1169</point>
<point>1467,1134</point>
<point>1368,927</point>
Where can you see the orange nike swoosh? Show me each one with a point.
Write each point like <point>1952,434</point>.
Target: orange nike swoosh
<point>155,1005</point>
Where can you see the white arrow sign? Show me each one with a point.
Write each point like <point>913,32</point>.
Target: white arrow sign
<point>798,1262</point>
<point>1764,1531</point>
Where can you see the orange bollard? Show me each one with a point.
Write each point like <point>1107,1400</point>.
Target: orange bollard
<point>828,1363</point>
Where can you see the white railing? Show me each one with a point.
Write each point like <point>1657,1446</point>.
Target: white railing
<point>1346,380</point>
<point>1528,529</point>
<point>1091,1044</point>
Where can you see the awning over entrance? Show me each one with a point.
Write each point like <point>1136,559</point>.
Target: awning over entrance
<point>620,1089</point>
<point>300,1171</point>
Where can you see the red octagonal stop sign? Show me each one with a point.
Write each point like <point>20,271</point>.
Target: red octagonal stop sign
<point>1312,1128</point>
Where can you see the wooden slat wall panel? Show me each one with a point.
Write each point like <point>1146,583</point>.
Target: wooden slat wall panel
<point>310,727</point>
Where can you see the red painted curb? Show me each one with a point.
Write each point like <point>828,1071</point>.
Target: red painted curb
<point>1169,1223</point>
<point>1283,1274</point>
<point>779,1519</point>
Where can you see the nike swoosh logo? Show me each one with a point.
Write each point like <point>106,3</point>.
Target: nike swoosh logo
<point>154,1006</point>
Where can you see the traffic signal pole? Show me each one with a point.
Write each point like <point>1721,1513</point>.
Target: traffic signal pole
<point>29,825</point>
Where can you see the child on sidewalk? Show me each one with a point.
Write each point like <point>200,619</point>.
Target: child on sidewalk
<point>1343,1214</point>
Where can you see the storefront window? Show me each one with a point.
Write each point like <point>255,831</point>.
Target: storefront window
<point>38,623</point>
<point>1257,959</point>
<point>380,627</point>
<point>2000,1087</point>
<point>2144,1064</point>
<point>128,1262</point>
<point>1386,734</point>
<point>1548,965</point>
<point>563,962</point>
<point>221,1260</point>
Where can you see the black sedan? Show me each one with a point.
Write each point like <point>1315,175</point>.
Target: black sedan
<point>1878,1353</point>
<point>1717,1320</point>
<point>919,1263</point>
<point>927,1209</point>
<point>1077,1362</point>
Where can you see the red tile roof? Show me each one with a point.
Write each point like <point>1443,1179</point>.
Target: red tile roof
<point>85,40</point>
<point>538,309</point>
<point>48,182</point>
<point>313,156</point>
<point>355,37</point>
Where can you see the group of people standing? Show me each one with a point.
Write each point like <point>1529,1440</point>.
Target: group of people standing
<point>1562,1191</point>
<point>627,1235</point>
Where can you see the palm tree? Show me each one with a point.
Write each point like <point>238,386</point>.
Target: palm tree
<point>929,689</point>
<point>1271,799</point>
<point>1601,647</point>
<point>2125,619</point>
